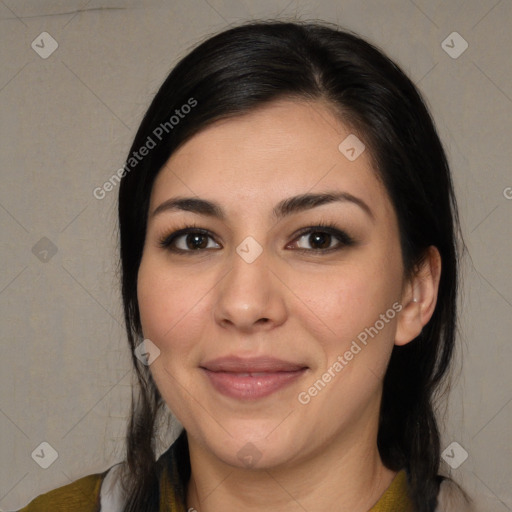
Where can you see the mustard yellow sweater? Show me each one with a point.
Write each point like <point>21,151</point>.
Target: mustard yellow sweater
<point>83,496</point>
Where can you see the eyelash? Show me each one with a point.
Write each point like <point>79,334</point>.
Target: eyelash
<point>344,240</point>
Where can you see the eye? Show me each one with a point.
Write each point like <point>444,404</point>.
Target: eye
<point>188,239</point>
<point>192,239</point>
<point>321,238</point>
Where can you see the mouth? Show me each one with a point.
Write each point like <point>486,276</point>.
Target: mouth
<point>251,378</point>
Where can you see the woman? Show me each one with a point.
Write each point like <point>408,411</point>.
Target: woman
<point>288,249</point>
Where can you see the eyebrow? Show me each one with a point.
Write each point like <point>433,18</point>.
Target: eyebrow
<point>284,208</point>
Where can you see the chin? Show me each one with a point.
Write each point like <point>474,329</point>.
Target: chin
<point>253,448</point>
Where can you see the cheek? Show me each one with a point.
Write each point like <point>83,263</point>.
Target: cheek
<point>171,305</point>
<point>352,318</point>
<point>347,301</point>
<point>353,310</point>
<point>173,312</point>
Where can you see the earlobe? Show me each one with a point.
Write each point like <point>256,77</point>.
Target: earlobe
<point>419,298</point>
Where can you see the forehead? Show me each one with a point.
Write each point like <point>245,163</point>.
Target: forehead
<point>284,148</point>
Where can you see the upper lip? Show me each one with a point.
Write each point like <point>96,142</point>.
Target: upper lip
<point>236,364</point>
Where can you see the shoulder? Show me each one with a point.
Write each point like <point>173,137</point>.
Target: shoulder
<point>112,493</point>
<point>452,498</point>
<point>106,492</point>
<point>81,495</point>
<point>172,471</point>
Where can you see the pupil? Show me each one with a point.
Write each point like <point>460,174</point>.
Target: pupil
<point>319,238</point>
<point>195,240</point>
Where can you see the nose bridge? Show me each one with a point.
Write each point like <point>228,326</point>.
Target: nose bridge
<point>249,292</point>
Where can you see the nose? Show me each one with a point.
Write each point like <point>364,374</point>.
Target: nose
<point>250,297</point>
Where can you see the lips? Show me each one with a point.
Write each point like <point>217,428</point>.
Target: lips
<point>251,378</point>
<point>250,365</point>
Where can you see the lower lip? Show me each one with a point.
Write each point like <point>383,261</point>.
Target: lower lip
<point>246,387</point>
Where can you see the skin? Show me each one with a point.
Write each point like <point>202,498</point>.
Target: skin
<point>296,306</point>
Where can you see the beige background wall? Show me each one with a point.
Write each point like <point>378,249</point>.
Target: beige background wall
<point>66,125</point>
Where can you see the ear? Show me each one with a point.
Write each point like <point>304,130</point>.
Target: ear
<point>419,297</point>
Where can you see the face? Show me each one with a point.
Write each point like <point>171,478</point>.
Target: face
<point>275,318</point>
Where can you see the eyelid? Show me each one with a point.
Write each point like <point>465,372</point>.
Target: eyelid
<point>344,239</point>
